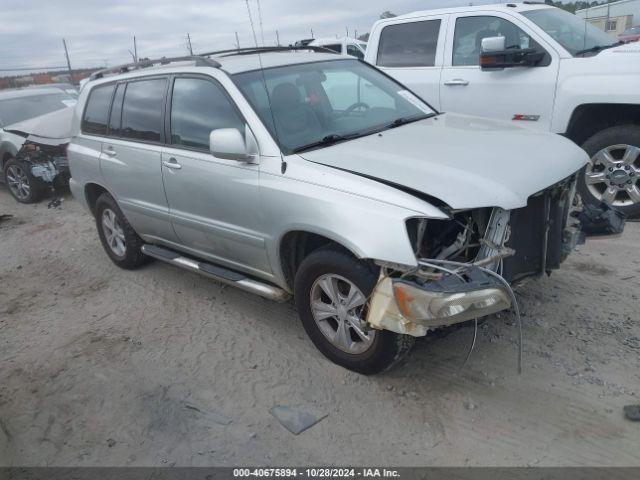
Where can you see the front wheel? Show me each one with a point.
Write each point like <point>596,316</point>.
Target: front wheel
<point>24,187</point>
<point>613,175</point>
<point>331,292</point>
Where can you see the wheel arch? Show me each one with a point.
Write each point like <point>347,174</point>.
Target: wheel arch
<point>590,118</point>
<point>296,245</point>
<point>92,192</point>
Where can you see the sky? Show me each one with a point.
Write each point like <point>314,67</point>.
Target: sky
<point>100,32</point>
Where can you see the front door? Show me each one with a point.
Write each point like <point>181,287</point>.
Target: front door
<point>522,94</point>
<point>213,202</point>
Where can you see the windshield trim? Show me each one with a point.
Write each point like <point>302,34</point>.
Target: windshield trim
<point>376,129</point>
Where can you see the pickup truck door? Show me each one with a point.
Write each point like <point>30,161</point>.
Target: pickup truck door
<point>522,94</point>
<point>213,202</point>
<point>412,51</point>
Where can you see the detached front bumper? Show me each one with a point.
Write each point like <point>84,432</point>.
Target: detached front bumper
<point>413,308</point>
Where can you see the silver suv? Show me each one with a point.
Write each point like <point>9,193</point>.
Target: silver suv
<point>296,172</point>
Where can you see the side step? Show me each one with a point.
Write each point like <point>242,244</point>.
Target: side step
<point>220,274</point>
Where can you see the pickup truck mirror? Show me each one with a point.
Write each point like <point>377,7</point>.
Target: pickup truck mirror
<point>495,56</point>
<point>229,143</point>
<point>493,44</point>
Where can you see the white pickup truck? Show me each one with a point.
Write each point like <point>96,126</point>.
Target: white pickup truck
<point>533,65</point>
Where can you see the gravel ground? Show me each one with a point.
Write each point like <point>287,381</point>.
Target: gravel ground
<point>100,366</point>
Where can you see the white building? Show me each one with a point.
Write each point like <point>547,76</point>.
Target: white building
<point>613,18</point>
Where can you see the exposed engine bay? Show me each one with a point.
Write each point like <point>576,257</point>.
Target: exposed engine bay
<point>47,163</point>
<point>467,263</point>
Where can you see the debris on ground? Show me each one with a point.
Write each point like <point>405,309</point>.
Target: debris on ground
<point>632,412</point>
<point>213,416</point>
<point>601,220</point>
<point>5,217</point>
<point>296,419</point>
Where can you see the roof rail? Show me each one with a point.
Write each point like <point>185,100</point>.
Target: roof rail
<point>201,61</point>
<point>250,50</point>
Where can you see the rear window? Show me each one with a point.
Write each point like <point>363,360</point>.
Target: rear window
<point>142,110</point>
<point>14,110</point>
<point>411,44</point>
<point>97,110</point>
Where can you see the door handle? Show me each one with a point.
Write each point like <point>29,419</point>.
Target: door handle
<point>172,163</point>
<point>457,82</point>
<point>110,152</point>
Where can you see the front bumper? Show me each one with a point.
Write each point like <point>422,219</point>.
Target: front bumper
<point>413,308</point>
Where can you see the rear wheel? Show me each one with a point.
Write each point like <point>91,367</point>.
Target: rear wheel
<point>613,175</point>
<point>331,292</point>
<point>24,187</point>
<point>118,238</point>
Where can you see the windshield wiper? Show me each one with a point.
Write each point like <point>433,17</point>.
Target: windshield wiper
<point>598,48</point>
<point>323,142</point>
<point>404,120</point>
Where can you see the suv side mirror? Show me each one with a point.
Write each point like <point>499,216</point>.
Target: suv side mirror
<point>228,143</point>
<point>495,55</point>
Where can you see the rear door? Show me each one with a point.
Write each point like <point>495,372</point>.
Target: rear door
<point>522,94</point>
<point>131,155</point>
<point>214,202</point>
<point>412,51</point>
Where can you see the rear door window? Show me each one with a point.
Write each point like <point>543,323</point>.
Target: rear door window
<point>96,112</point>
<point>199,106</point>
<point>142,110</point>
<point>412,44</point>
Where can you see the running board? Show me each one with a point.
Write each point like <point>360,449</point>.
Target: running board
<point>220,274</point>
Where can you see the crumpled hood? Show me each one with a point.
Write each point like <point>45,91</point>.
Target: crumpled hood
<point>464,161</point>
<point>52,128</point>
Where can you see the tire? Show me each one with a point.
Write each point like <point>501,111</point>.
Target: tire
<point>23,186</point>
<point>121,242</point>
<point>383,349</point>
<point>623,179</point>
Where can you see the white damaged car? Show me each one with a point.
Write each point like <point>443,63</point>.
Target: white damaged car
<point>316,175</point>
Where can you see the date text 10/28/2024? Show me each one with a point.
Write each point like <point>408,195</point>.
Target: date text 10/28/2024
<point>316,472</point>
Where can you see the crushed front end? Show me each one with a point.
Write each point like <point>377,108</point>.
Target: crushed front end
<point>47,163</point>
<point>467,263</point>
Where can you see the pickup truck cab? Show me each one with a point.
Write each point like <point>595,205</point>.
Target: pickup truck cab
<point>562,75</point>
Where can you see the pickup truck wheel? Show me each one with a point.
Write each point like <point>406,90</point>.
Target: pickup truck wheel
<point>24,187</point>
<point>118,238</point>
<point>331,292</point>
<point>613,175</point>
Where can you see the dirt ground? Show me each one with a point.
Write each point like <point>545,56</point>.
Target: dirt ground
<point>100,366</point>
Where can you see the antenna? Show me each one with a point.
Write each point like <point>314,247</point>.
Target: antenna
<point>283,164</point>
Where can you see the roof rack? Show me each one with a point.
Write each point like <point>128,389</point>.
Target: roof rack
<point>201,61</point>
<point>251,50</point>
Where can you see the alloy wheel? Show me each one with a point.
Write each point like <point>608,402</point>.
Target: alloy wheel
<point>613,175</point>
<point>18,182</point>
<point>113,232</point>
<point>338,307</point>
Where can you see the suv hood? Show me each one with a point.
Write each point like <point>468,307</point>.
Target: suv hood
<point>466,162</point>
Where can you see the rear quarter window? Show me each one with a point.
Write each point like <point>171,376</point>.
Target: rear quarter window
<point>96,113</point>
<point>412,44</point>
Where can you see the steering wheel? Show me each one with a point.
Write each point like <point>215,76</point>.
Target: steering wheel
<point>356,105</point>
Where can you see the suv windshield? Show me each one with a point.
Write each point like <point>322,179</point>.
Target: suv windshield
<point>312,105</point>
<point>576,35</point>
<point>14,110</point>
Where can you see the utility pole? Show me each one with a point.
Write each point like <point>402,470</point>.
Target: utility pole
<point>237,41</point>
<point>347,30</point>
<point>312,33</point>
<point>135,50</point>
<point>66,54</point>
<point>277,39</point>
<point>189,44</point>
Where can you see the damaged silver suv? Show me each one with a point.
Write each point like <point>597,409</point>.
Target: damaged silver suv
<point>288,172</point>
